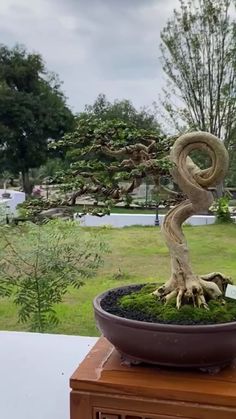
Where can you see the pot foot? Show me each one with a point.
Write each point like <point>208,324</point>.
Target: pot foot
<point>129,361</point>
<point>216,368</point>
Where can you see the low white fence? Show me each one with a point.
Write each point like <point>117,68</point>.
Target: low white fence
<point>123,220</point>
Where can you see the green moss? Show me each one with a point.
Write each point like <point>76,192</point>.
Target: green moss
<point>148,307</point>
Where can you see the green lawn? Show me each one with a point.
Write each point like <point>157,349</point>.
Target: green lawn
<point>137,255</point>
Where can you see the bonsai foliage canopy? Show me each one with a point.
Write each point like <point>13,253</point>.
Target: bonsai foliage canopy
<point>184,284</point>
<point>109,160</point>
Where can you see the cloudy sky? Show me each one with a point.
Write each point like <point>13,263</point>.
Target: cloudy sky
<point>96,46</point>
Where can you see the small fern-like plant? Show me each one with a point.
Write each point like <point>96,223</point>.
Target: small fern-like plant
<point>39,263</point>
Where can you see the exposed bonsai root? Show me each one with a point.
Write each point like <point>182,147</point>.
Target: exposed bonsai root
<point>192,293</point>
<point>194,290</point>
<point>218,278</point>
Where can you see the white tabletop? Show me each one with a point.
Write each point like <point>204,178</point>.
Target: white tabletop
<point>35,371</point>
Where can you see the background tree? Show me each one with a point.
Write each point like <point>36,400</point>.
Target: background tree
<point>32,111</point>
<point>122,110</point>
<point>97,149</point>
<point>111,160</point>
<point>199,60</point>
<point>93,118</point>
<point>119,122</point>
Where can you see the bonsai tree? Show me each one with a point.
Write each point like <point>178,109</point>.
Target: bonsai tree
<point>176,327</point>
<point>184,284</point>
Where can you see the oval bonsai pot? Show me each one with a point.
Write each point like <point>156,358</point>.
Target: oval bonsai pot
<point>196,346</point>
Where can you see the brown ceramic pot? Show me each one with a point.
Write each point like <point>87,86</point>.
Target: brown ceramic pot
<point>193,346</point>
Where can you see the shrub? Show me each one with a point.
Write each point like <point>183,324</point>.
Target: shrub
<point>222,210</point>
<point>39,263</point>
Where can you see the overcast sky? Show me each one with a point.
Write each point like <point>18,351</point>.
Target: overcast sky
<point>96,46</point>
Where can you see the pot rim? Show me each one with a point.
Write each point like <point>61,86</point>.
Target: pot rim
<point>162,327</point>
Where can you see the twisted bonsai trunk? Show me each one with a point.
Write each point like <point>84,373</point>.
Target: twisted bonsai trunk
<point>184,284</point>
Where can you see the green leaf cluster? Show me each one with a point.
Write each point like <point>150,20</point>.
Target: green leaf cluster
<point>33,111</point>
<point>39,264</point>
<point>90,165</point>
<point>222,212</point>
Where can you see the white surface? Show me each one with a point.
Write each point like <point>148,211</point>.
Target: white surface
<point>16,198</point>
<point>231,291</point>
<point>35,371</point>
<point>122,220</point>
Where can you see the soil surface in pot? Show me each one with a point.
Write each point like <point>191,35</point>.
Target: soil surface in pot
<point>138,303</point>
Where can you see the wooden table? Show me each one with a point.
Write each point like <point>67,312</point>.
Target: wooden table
<point>102,388</point>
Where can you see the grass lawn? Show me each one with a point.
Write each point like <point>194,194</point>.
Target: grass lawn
<point>138,254</point>
<point>122,210</point>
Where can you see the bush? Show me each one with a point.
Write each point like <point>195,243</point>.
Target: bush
<point>221,210</point>
<point>39,263</point>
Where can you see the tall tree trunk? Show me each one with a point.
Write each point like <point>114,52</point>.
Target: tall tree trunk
<point>27,186</point>
<point>220,189</point>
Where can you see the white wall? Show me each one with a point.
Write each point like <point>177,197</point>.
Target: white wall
<point>34,373</point>
<point>16,198</point>
<point>122,220</point>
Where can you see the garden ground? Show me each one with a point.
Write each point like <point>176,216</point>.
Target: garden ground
<point>137,254</point>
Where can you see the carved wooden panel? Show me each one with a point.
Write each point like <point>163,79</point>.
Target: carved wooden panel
<point>101,415</point>
<point>111,414</point>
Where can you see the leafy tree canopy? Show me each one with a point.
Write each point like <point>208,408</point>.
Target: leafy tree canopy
<point>122,110</point>
<point>109,160</point>
<point>32,111</point>
<point>199,60</point>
